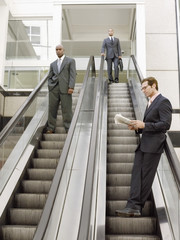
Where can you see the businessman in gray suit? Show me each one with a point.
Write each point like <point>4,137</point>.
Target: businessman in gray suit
<point>61,81</point>
<point>111,46</point>
<point>157,120</point>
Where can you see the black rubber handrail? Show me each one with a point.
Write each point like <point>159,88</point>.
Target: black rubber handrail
<point>170,153</point>
<point>137,68</point>
<point>88,189</point>
<point>13,121</point>
<point>42,226</point>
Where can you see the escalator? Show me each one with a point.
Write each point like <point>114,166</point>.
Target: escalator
<point>121,144</point>
<point>26,208</point>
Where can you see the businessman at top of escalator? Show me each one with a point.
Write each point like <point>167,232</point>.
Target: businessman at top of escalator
<point>111,46</point>
<point>157,120</point>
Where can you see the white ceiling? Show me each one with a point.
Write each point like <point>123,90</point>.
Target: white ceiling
<point>85,27</point>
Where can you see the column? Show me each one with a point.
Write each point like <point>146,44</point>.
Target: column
<point>141,38</point>
<point>57,28</point>
<point>4,15</point>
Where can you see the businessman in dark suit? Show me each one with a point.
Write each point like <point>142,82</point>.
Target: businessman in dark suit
<point>61,81</point>
<point>157,120</point>
<point>111,46</point>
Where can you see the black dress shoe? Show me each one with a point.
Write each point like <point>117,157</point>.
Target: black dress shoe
<point>128,212</point>
<point>116,80</point>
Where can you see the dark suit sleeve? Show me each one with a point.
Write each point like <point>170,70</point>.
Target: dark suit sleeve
<point>119,49</point>
<point>72,73</point>
<point>103,46</point>
<point>51,73</point>
<point>162,118</point>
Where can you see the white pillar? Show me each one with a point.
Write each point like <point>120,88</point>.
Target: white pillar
<point>4,15</point>
<point>141,38</point>
<point>57,28</point>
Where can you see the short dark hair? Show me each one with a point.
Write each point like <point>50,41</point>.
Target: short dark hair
<point>151,81</point>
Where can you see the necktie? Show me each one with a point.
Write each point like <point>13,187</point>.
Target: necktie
<point>111,40</point>
<point>59,65</point>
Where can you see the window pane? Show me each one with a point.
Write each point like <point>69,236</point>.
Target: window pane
<point>35,30</point>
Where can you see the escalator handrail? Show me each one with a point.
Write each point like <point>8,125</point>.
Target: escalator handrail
<point>19,113</point>
<point>171,155</point>
<point>88,188</point>
<point>42,226</point>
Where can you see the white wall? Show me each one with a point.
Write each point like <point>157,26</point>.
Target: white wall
<point>161,47</point>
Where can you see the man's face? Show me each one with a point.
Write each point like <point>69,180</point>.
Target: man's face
<point>59,51</point>
<point>110,32</point>
<point>148,90</point>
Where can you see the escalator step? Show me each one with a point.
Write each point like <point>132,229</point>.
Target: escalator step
<point>120,157</point>
<point>132,237</point>
<point>36,186</point>
<point>117,192</point>
<point>48,153</point>
<point>120,225</point>
<point>50,163</point>
<point>112,206</point>
<point>122,139</point>
<point>18,232</point>
<point>40,174</point>
<point>119,168</point>
<point>51,145</point>
<point>118,179</point>
<point>36,201</point>
<point>54,137</point>
<point>19,216</point>
<point>114,148</point>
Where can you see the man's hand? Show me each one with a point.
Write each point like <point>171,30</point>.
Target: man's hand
<point>135,124</point>
<point>102,54</point>
<point>119,57</point>
<point>70,90</point>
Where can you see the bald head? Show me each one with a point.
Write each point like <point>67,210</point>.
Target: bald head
<point>59,50</point>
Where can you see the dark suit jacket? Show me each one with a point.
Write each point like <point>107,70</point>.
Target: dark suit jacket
<point>112,50</point>
<point>66,77</point>
<point>157,120</point>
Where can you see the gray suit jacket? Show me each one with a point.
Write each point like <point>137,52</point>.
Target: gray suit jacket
<point>66,77</point>
<point>112,50</point>
<point>157,120</point>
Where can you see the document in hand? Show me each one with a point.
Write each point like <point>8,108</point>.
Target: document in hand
<point>120,119</point>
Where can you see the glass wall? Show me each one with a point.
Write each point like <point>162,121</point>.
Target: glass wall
<point>28,39</point>
<point>23,78</point>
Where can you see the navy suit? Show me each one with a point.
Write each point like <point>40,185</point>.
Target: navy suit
<point>157,120</point>
<point>113,51</point>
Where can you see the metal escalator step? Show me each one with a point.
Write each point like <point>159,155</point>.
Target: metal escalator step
<point>113,126</point>
<point>119,103</point>
<point>24,200</point>
<point>51,144</point>
<point>132,237</point>
<point>50,163</point>
<point>48,153</point>
<point>114,148</point>
<point>112,206</point>
<point>124,111</point>
<point>54,137</point>
<point>121,132</point>
<point>118,179</point>
<point>14,232</point>
<point>40,174</point>
<point>19,216</point>
<point>141,225</point>
<point>117,192</point>
<point>122,139</point>
<point>60,130</point>
<point>120,157</point>
<point>119,168</point>
<point>36,186</point>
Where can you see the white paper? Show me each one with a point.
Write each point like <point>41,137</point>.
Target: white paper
<point>120,119</point>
